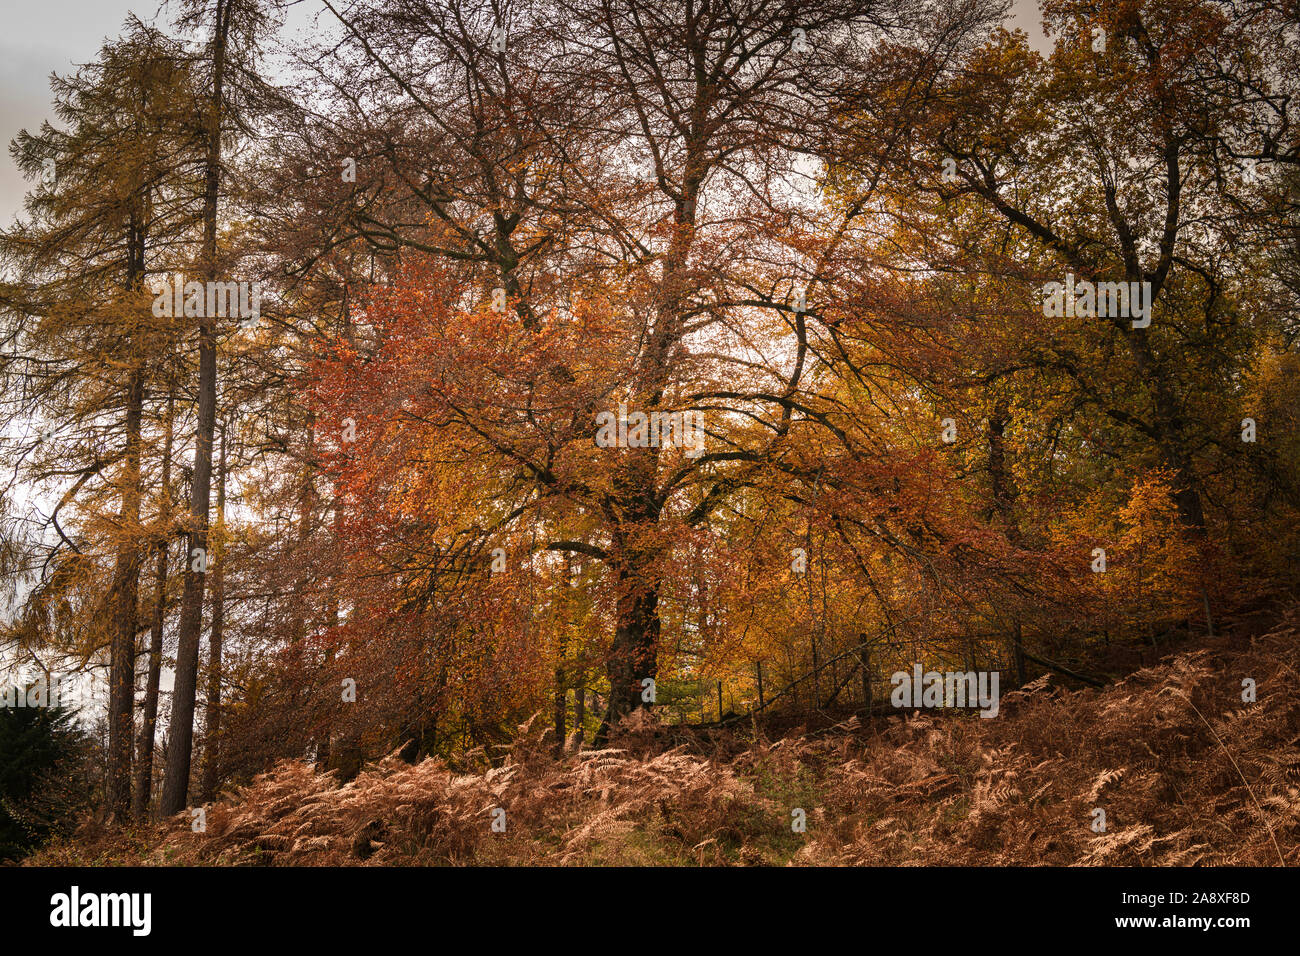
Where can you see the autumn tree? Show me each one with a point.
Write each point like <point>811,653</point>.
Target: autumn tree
<point>235,31</point>
<point>86,344</point>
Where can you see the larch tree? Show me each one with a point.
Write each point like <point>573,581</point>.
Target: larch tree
<point>87,345</point>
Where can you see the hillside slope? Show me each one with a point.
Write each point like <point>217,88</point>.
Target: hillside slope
<point>1185,771</point>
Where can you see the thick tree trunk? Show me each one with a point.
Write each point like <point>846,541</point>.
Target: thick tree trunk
<point>176,780</point>
<point>635,654</point>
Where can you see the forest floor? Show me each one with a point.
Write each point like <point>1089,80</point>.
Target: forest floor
<point>1185,771</point>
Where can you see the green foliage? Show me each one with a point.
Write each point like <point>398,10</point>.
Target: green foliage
<point>40,748</point>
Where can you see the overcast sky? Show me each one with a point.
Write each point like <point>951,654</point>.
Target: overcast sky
<point>40,37</point>
<point>44,36</point>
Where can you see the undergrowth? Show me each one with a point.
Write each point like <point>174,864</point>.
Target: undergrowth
<point>1186,772</point>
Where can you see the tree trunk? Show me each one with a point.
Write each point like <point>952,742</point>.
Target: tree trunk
<point>1170,429</point>
<point>306,507</point>
<point>1004,498</point>
<point>126,573</point>
<point>332,608</point>
<point>561,652</point>
<point>864,666</point>
<point>126,585</point>
<point>176,780</point>
<point>812,626</point>
<point>560,707</point>
<point>635,654</point>
<point>149,723</point>
<point>212,711</point>
<point>1018,649</point>
<point>579,710</point>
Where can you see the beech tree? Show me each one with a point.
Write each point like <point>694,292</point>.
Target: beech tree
<point>687,102</point>
<point>690,357</point>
